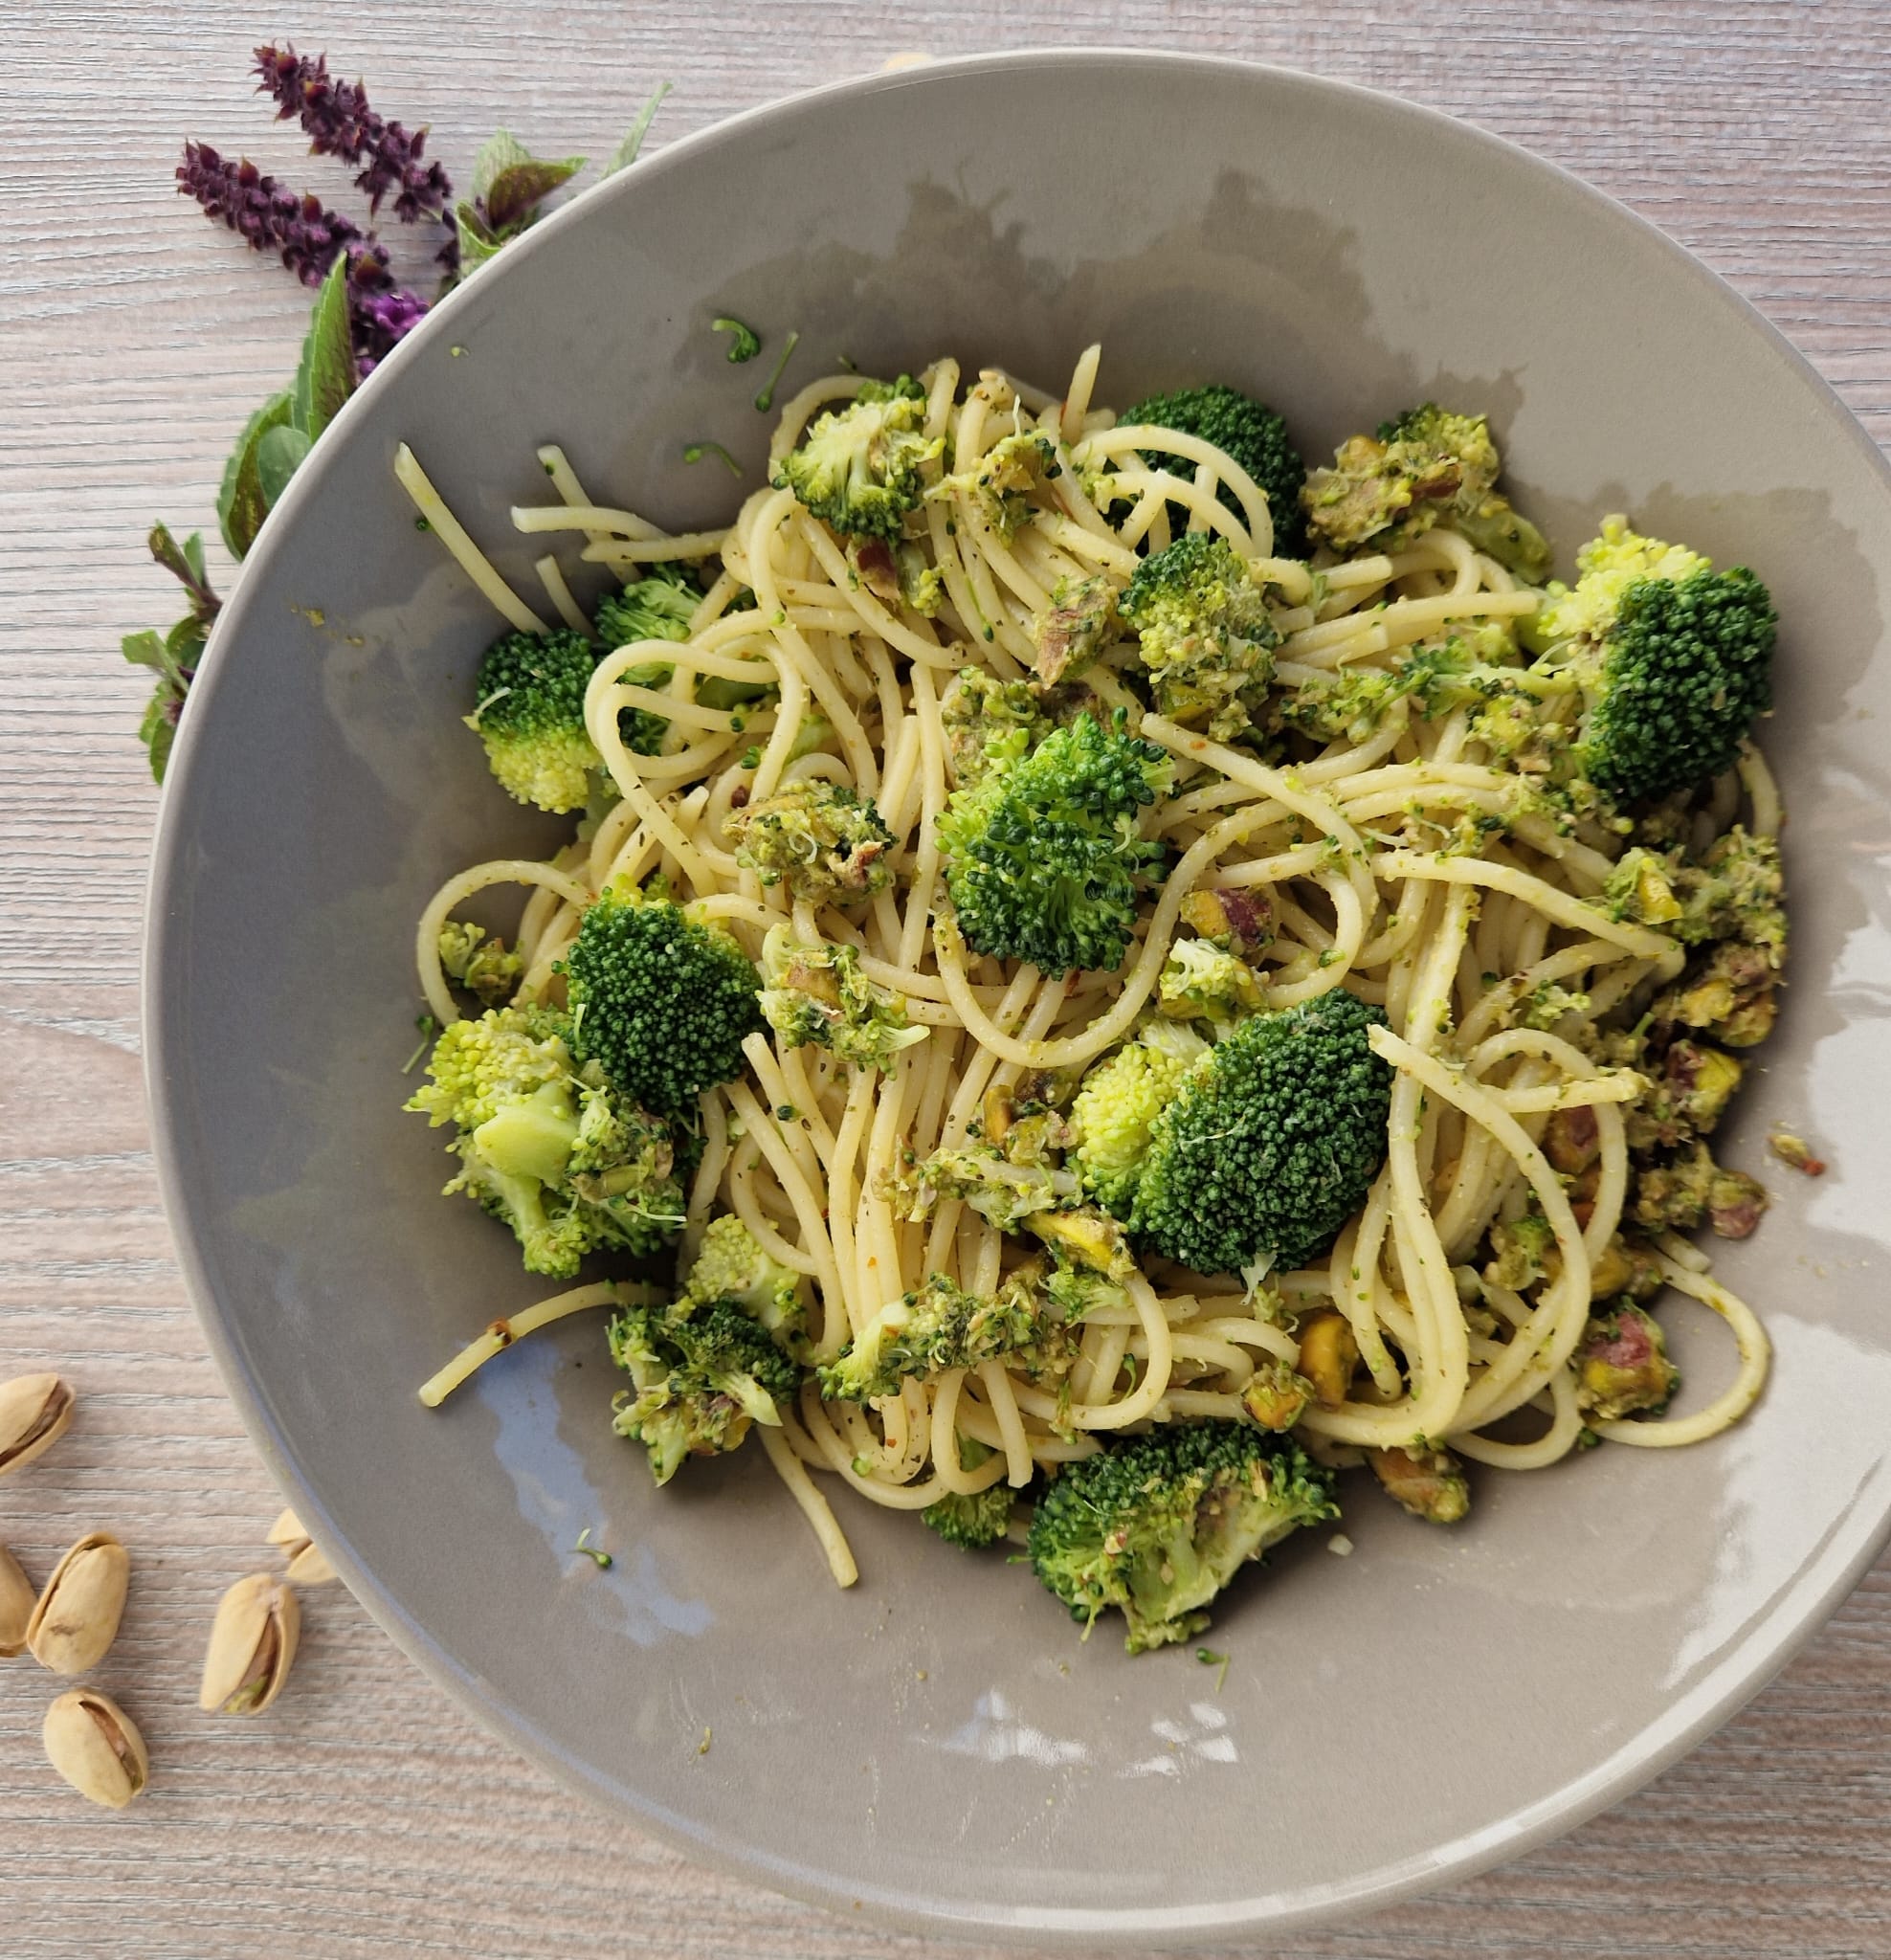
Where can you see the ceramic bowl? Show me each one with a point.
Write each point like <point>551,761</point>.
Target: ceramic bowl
<point>936,1746</point>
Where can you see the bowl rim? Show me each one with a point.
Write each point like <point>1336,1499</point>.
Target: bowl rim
<point>1764,1647</point>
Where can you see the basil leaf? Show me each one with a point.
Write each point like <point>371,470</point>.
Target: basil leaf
<point>325,377</point>
<point>240,505</point>
<point>279,455</point>
<point>626,153</point>
<point>478,242</point>
<point>515,195</point>
<point>499,151</point>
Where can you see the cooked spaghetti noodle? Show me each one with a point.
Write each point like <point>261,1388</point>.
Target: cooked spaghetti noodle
<point>1409,865</point>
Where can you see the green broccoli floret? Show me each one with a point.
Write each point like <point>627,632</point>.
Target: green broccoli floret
<point>941,1326</point>
<point>1673,661</point>
<point>699,1381</point>
<point>1116,1107</point>
<point>825,839</point>
<point>658,606</point>
<point>1249,431</point>
<point>545,1145</point>
<point>1075,627</point>
<point>1428,464</point>
<point>1157,1527</point>
<point>480,965</point>
<point>1270,1143</point>
<point>531,717</point>
<point>818,993</point>
<point>664,1004</point>
<point>858,468</point>
<point>1474,667</point>
<point>989,720</point>
<point>1045,857</point>
<point>1205,636</point>
<point>999,485</point>
<point>731,1265</point>
<point>1205,982</point>
<point>972,1523</point>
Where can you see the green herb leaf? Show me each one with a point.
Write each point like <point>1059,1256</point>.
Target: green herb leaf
<point>144,649</point>
<point>279,455</point>
<point>626,153</point>
<point>499,151</point>
<point>240,505</point>
<point>479,242</point>
<point>326,375</point>
<point>184,563</point>
<point>514,196</point>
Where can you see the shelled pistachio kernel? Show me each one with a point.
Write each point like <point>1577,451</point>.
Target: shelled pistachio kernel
<point>18,1599</point>
<point>35,1411</point>
<point>96,1746</point>
<point>253,1641</point>
<point>308,1564</point>
<point>76,1618</point>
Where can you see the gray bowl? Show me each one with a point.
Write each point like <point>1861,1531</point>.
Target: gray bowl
<point>935,1746</point>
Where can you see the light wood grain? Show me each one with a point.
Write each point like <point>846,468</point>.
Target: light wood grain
<point>366,1816</point>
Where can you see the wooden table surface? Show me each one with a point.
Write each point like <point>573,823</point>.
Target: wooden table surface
<point>367,1816</point>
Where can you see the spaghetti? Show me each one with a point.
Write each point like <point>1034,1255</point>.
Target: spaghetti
<point>1405,862</point>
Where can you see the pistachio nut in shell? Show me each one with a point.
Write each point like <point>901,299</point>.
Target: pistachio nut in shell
<point>17,1598</point>
<point>253,1641</point>
<point>35,1411</point>
<point>309,1565</point>
<point>96,1746</point>
<point>77,1619</point>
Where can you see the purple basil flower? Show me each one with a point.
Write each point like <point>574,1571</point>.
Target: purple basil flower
<point>380,321</point>
<point>308,238</point>
<point>300,229</point>
<point>340,124</point>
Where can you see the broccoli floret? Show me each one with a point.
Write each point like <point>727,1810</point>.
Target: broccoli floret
<point>664,1004</point>
<point>1270,1143</point>
<point>1205,633</point>
<point>531,717</point>
<point>1475,667</point>
<point>660,605</point>
<point>1000,483</point>
<point>1247,430</point>
<point>1029,1322</point>
<point>1045,857</point>
<point>1428,1482</point>
<point>1159,1525</point>
<point>1074,629</point>
<point>1523,1251</point>
<point>858,469</point>
<point>1673,659</point>
<point>1428,464</point>
<point>730,1265</point>
<point>1203,982</point>
<point>480,965</point>
<point>825,839</point>
<point>818,994</point>
<point>1622,1366</point>
<point>1114,1112</point>
<point>972,1523</point>
<point>989,720</point>
<point>545,1145</point>
<point>700,1381</point>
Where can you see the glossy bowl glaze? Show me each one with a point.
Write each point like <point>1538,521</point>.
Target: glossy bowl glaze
<point>936,1746</point>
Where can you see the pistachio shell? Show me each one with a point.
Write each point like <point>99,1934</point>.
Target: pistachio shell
<point>308,1564</point>
<point>16,1603</point>
<point>253,1641</point>
<point>96,1746</point>
<point>35,1411</point>
<point>77,1619</point>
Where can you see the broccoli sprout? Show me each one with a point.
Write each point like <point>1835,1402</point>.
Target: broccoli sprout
<point>1158,1527</point>
<point>1045,858</point>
